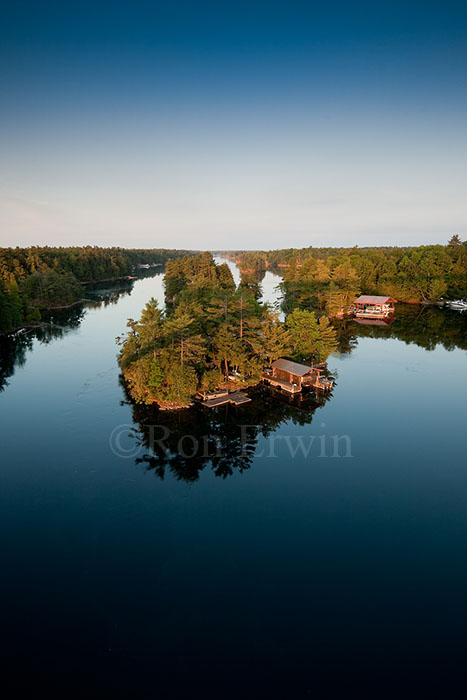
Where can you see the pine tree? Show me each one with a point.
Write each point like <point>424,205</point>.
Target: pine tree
<point>274,338</point>
<point>327,342</point>
<point>150,324</point>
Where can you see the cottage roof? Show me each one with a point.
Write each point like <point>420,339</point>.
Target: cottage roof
<point>292,367</point>
<point>369,299</point>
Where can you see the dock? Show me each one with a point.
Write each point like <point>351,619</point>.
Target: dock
<point>281,384</point>
<point>236,398</point>
<point>323,383</point>
<point>208,395</point>
<point>372,314</point>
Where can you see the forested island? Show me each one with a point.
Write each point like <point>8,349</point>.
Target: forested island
<point>329,279</point>
<point>210,334</point>
<point>37,278</point>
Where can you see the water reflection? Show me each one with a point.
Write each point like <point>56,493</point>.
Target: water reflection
<point>225,439</point>
<point>14,348</point>
<point>13,352</point>
<point>55,325</point>
<point>425,326</point>
<point>387,321</point>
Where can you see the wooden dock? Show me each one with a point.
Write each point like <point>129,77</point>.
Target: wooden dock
<point>282,384</point>
<point>324,384</point>
<point>236,398</point>
<point>208,395</point>
<point>372,314</point>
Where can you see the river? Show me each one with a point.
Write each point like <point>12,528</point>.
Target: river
<point>320,547</point>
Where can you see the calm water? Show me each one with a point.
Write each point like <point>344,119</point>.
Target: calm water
<point>265,568</point>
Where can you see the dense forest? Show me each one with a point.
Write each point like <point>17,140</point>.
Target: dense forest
<point>33,279</point>
<point>328,279</point>
<point>211,333</point>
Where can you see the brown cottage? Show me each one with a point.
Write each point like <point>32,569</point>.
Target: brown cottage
<point>293,376</point>
<point>290,372</point>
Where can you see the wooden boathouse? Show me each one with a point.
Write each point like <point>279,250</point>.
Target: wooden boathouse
<point>293,376</point>
<point>370,306</point>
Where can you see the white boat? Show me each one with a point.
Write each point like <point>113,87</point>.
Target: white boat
<point>458,305</point>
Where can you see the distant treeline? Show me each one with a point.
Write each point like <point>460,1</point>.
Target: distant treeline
<point>35,278</point>
<point>328,279</point>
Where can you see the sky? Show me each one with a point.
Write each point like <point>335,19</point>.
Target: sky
<point>233,125</point>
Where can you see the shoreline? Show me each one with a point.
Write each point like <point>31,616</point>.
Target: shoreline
<point>169,406</point>
<point>38,324</point>
<point>174,406</point>
<point>128,278</point>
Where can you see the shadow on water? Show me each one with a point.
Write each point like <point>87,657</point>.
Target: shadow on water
<point>183,443</point>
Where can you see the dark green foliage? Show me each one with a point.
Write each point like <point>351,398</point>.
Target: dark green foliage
<point>47,288</point>
<point>196,274</point>
<point>311,339</point>
<point>87,264</point>
<point>11,309</point>
<point>38,278</point>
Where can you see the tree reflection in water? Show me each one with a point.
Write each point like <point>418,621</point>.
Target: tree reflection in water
<point>55,325</point>
<point>14,348</point>
<point>184,443</point>
<point>425,326</point>
<point>225,438</point>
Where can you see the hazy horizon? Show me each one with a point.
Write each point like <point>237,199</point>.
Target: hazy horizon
<point>213,251</point>
<point>255,127</point>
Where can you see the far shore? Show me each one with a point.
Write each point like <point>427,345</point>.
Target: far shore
<point>38,324</point>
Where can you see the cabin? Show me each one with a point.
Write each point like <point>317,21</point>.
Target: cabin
<point>293,377</point>
<point>368,306</point>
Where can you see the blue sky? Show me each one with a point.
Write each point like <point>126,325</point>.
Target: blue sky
<point>233,125</point>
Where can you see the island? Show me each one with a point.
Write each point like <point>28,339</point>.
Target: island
<point>212,336</point>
